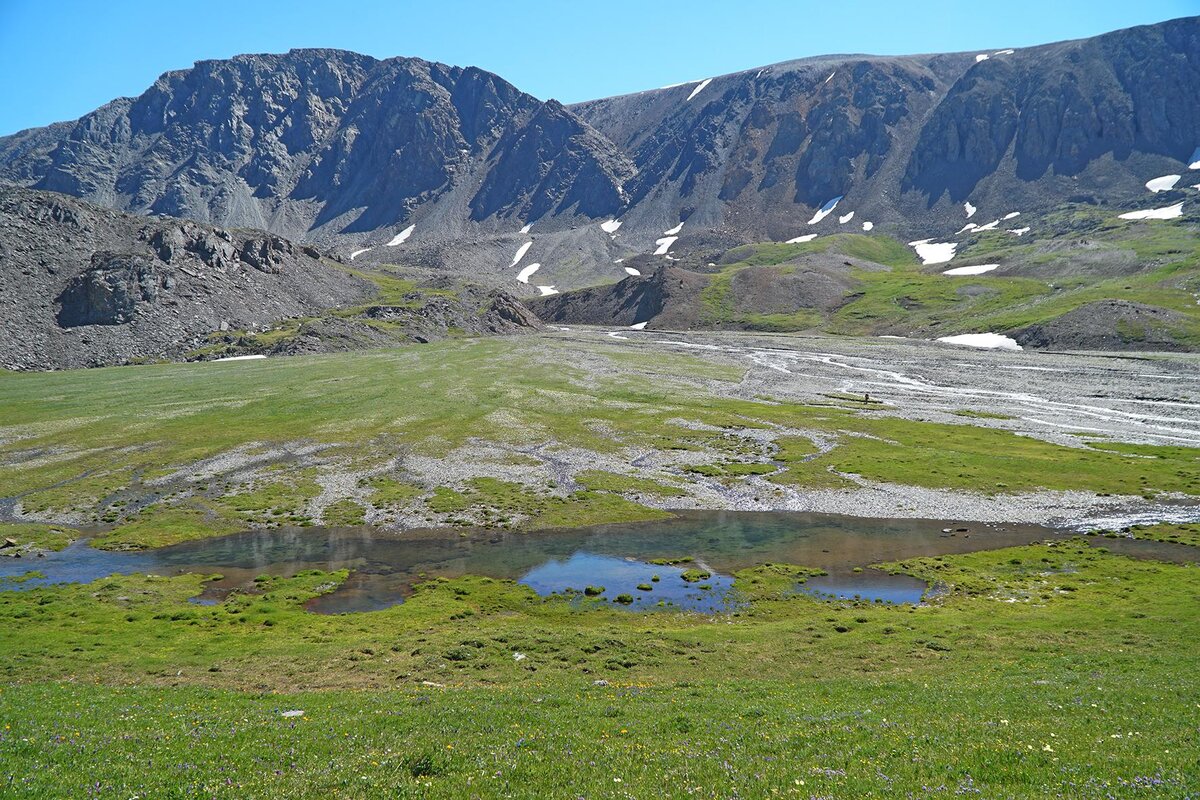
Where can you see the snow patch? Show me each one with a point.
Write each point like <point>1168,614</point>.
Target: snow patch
<point>868,226</point>
<point>989,341</point>
<point>358,253</point>
<point>1004,52</point>
<point>402,236</point>
<point>1168,212</point>
<point>547,290</point>
<point>991,226</point>
<point>664,244</point>
<point>970,226</point>
<point>521,251</point>
<point>827,80</point>
<point>1194,161</point>
<point>674,230</point>
<point>931,252</point>
<point>981,57</point>
<point>524,275</point>
<point>240,358</point>
<point>844,219</point>
<point>610,226</point>
<point>617,335</point>
<point>1012,215</point>
<point>526,228</point>
<point>826,210</point>
<point>1019,231</point>
<point>637,326</point>
<point>978,269</point>
<point>970,209</point>
<point>699,88</point>
<point>1164,184</point>
<point>808,237</point>
<point>632,271</point>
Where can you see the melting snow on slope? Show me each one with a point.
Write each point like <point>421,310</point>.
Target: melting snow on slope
<point>633,271</point>
<point>970,209</point>
<point>1003,52</point>
<point>1194,161</point>
<point>637,326</point>
<point>843,220</point>
<point>526,228</point>
<point>547,290</point>
<point>674,230</point>
<point>808,237</point>
<point>1164,184</point>
<point>931,252</point>
<point>521,251</point>
<point>1019,231</point>
<point>664,244</point>
<point>1012,215</point>
<point>402,236</point>
<point>979,269</point>
<point>981,57</point>
<point>358,253</point>
<point>827,80</point>
<point>990,341</point>
<point>524,275</point>
<point>240,358</point>
<point>610,226</point>
<point>699,88</point>
<point>826,210</point>
<point>617,335</point>
<point>868,226</point>
<point>1168,212</point>
<point>970,226</point>
<point>991,226</point>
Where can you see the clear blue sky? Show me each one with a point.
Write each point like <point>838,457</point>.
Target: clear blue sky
<point>60,60</point>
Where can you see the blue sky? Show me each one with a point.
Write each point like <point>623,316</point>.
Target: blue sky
<point>60,60</point>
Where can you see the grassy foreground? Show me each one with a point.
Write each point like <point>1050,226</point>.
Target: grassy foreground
<point>1049,670</point>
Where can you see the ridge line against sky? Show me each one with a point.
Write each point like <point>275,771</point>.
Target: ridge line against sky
<point>60,62</point>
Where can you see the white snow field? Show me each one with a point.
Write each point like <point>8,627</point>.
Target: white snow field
<point>402,236</point>
<point>704,83</point>
<point>547,290</point>
<point>808,237</point>
<point>1167,212</point>
<point>524,275</point>
<point>1164,184</point>
<point>633,271</point>
<point>674,230</point>
<point>240,358</point>
<point>931,252</point>
<point>826,210</point>
<point>637,326</point>
<point>978,269</point>
<point>868,226</point>
<point>970,209</point>
<point>357,253</point>
<point>989,341</point>
<point>664,244</point>
<point>846,218</point>
<point>521,251</point>
<point>610,226</point>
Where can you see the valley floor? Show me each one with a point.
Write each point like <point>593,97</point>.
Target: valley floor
<point>1053,669</point>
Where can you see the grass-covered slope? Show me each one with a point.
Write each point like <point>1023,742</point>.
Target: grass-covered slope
<point>1082,278</point>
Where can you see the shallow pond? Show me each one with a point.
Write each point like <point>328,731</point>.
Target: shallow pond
<point>384,565</point>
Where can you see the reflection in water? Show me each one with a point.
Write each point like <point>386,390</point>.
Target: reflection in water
<point>384,566</point>
<point>870,584</point>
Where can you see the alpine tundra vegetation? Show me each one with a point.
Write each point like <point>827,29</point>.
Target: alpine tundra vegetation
<point>370,427</point>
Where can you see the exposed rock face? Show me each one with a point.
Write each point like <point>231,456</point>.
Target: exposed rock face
<point>325,142</point>
<point>346,151</point>
<point>87,286</point>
